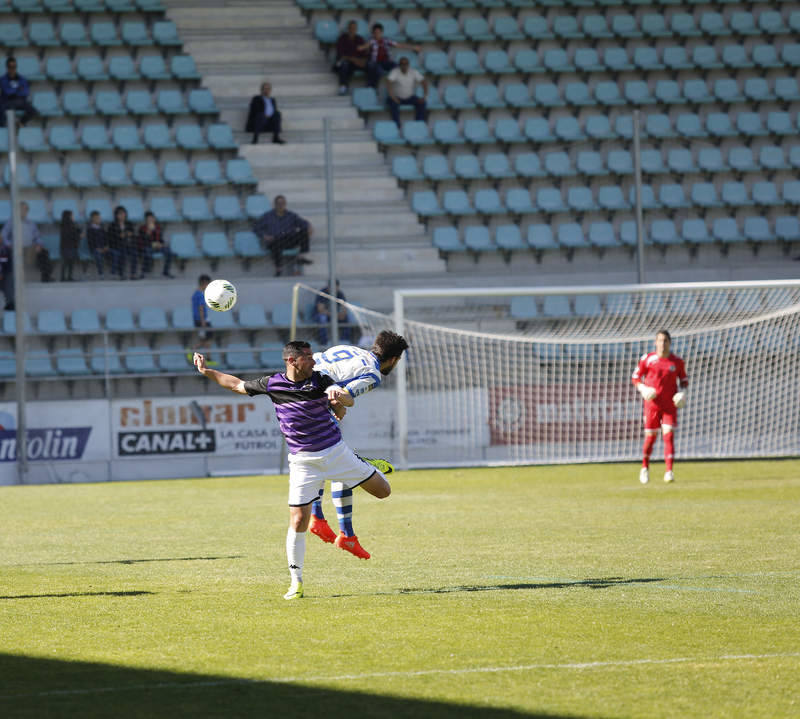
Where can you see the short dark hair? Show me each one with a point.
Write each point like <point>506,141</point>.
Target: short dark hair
<point>295,348</point>
<point>202,279</point>
<point>148,214</point>
<point>666,334</point>
<point>94,212</point>
<point>11,59</point>
<point>389,345</point>
<point>117,209</point>
<point>377,26</point>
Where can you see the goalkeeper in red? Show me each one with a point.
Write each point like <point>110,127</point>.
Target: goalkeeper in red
<point>661,379</point>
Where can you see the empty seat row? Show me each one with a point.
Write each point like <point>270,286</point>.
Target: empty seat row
<point>553,200</point>
<point>139,359</point>
<point>94,68</point>
<point>75,33</point>
<point>144,173</point>
<point>495,165</point>
<point>125,138</point>
<point>79,103</point>
<point>603,235</point>
<point>77,6</point>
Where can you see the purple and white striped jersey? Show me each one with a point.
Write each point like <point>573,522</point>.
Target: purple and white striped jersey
<point>302,410</point>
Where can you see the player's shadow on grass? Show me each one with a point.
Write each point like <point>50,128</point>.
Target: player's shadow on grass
<point>56,595</point>
<point>136,561</point>
<point>35,688</point>
<point>599,583</point>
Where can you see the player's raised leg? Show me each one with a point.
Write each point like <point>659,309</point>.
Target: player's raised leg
<point>669,452</point>
<point>319,525</point>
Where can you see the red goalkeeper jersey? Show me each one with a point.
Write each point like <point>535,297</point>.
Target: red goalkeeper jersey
<point>664,374</point>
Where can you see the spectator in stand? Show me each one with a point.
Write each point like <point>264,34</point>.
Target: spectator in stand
<point>401,85</point>
<point>36,254</point>
<point>264,116</point>
<point>322,316</point>
<point>122,241</point>
<point>98,243</point>
<point>7,275</point>
<point>14,94</point>
<point>200,316</point>
<point>349,56</point>
<point>151,239</point>
<point>70,238</point>
<point>282,230</point>
<point>379,56</point>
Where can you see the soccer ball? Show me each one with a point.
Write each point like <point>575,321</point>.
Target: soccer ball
<point>220,295</point>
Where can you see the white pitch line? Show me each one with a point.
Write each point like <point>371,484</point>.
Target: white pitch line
<point>418,673</point>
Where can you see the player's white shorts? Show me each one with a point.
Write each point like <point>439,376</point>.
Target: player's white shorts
<point>309,470</point>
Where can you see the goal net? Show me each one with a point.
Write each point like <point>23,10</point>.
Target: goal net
<point>546,376</point>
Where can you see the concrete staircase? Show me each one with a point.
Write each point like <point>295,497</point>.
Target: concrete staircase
<point>237,45</point>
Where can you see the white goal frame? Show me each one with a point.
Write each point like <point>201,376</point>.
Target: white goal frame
<point>401,296</point>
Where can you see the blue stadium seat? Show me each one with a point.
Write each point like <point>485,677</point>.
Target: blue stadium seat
<point>749,123</point>
<point>580,199</point>
<point>680,161</point>
<point>49,175</point>
<point>220,137</point>
<point>663,232</point>
<point>145,173</point>
<point>616,59</point>
<point>610,197</point>
<point>689,125</point>
<point>59,68</point>
<point>163,207</point>
<point>487,202</point>
<point>528,164</point>
<point>201,102</point>
<point>447,132</point>
<point>734,194</point>
<point>183,245</point>
<point>386,132</point>
<point>476,131</point>
<point>209,173</point>
<point>536,28</point>
<point>495,164</point>
<point>456,202</point>
<point>556,60</point>
<point>135,33</point>
<point>109,102</point>
<point>719,124</point>
<point>496,62</point>
<point>38,364</point>
<point>457,97</point>
<point>765,193</point>
<point>436,168</point>
<point>104,33</point>
<point>239,172</point>
<point>446,240</point>
<point>404,168</point>
<point>101,205</point>
<point>182,67</point>
<point>704,194</point>
<point>81,174</point>
<point>668,92</point>
<point>426,204</point>
<point>126,138</point>
<point>120,319</point>
<point>558,164</point>
<point>190,137</point>
<point>570,235</point>
<point>766,56</point>
<point>509,238</point>
<point>256,206</point>
<point>770,157</point>
<point>46,104</point>
<point>672,196</point>
<point>153,67</point>
<point>637,92</point>
<point>415,132</point>
<point>549,200</point>
<point>447,29</point>
<point>476,239</point>
<point>477,30</point>
<point>42,34</point>
<point>238,355</point>
<point>247,245</point>
<point>786,89</point>
<point>153,319</point>
<point>113,173</point>
<point>791,192</point>
<point>756,229</point>
<point>122,67</point>
<point>366,100</point>
<point>326,31</point>
<point>215,245</point>
<point>598,127</point>
<point>139,359</point>
<point>695,231</point>
<point>518,201</point>
<point>601,234</point>
<point>587,60</point>
<point>103,360</point>
<point>178,173</point>
<point>195,209</point>
<point>51,322</point>
<point>658,125</point>
<point>787,228</point>
<point>62,138</point>
<point>607,93</point>
<point>590,162</point>
<point>620,162</point>
<point>566,26</point>
<point>756,89</point>
<point>438,63</point>
<point>11,35</point>
<point>546,94</point>
<point>523,308</point>
<point>172,358</point>
<point>92,69</point>
<point>166,33</point>
<point>170,102</point>
<point>488,97</point>
<point>595,26</point>
<point>726,230</point>
<point>157,136</point>
<point>709,159</point>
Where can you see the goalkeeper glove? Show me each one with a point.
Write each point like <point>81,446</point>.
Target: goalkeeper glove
<point>679,399</point>
<point>647,392</point>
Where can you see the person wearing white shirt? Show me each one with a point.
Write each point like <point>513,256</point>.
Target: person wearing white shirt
<point>401,84</point>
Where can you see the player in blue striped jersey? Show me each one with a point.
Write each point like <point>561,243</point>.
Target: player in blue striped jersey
<point>356,370</point>
<point>303,398</point>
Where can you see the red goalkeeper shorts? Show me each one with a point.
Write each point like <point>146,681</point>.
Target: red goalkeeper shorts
<point>655,415</point>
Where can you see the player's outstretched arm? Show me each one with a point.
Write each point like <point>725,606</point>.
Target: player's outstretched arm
<point>226,381</point>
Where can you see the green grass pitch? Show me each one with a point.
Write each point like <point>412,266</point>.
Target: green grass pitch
<point>567,591</point>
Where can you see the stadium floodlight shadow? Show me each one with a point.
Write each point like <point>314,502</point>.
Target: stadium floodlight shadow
<point>59,595</point>
<point>134,561</point>
<point>34,686</point>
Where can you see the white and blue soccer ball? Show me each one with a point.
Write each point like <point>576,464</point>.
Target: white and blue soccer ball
<point>220,295</point>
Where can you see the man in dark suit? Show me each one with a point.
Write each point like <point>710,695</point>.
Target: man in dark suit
<point>264,116</point>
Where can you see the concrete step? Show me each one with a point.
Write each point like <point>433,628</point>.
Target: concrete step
<point>292,121</point>
<point>309,154</point>
<point>322,84</point>
<point>361,222</point>
<point>351,263</point>
<point>233,19</point>
<point>345,190</point>
<point>279,52</point>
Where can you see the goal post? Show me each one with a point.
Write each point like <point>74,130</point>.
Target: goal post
<point>546,376</point>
